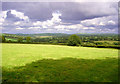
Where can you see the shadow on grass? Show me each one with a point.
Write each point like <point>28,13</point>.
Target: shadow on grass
<point>64,70</point>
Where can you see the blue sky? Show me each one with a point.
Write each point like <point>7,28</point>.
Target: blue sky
<point>59,17</point>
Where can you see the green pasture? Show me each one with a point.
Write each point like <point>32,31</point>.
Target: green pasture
<point>43,36</point>
<point>13,39</point>
<point>55,63</point>
<point>109,42</point>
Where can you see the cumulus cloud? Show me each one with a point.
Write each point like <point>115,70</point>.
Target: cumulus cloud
<point>70,10</point>
<point>20,15</point>
<point>17,23</point>
<point>111,22</point>
<point>103,21</point>
<point>73,17</point>
<point>19,28</point>
<point>88,28</point>
<point>56,18</point>
<point>34,27</point>
<point>101,24</point>
<point>49,23</point>
<point>3,15</point>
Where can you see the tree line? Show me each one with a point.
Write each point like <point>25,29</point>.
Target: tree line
<point>70,40</point>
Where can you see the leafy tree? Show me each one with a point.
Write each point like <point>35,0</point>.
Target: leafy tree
<point>115,43</point>
<point>9,41</point>
<point>28,39</point>
<point>20,39</point>
<point>99,43</point>
<point>74,40</point>
<point>3,39</point>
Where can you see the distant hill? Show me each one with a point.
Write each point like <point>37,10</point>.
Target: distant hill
<point>43,34</point>
<point>55,34</point>
<point>36,35</point>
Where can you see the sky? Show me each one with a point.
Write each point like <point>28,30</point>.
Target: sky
<point>59,17</point>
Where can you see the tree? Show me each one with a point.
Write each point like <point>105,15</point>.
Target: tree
<point>74,40</point>
<point>3,39</point>
<point>28,39</point>
<point>20,39</point>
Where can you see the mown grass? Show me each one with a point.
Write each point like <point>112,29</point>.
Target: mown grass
<point>53,63</point>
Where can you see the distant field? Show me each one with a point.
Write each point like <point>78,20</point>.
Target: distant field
<point>43,36</point>
<point>16,39</point>
<point>13,39</point>
<point>110,42</point>
<point>51,63</point>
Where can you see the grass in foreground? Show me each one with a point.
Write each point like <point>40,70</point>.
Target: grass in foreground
<point>52,63</point>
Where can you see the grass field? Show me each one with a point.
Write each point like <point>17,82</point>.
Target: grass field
<point>109,42</point>
<point>54,63</point>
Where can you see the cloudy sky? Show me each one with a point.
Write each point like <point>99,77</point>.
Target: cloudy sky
<point>59,17</point>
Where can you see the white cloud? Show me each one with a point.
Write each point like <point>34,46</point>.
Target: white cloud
<point>37,23</point>
<point>102,24</point>
<point>111,22</point>
<point>34,27</point>
<point>92,28</point>
<point>56,18</point>
<point>20,15</point>
<point>85,28</point>
<point>56,24</point>
<point>60,27</point>
<point>101,21</point>
<point>119,10</point>
<point>89,22</point>
<point>88,28</point>
<point>19,28</point>
<point>3,15</point>
<point>17,23</point>
<point>49,23</point>
<point>23,23</point>
<point>76,27</point>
